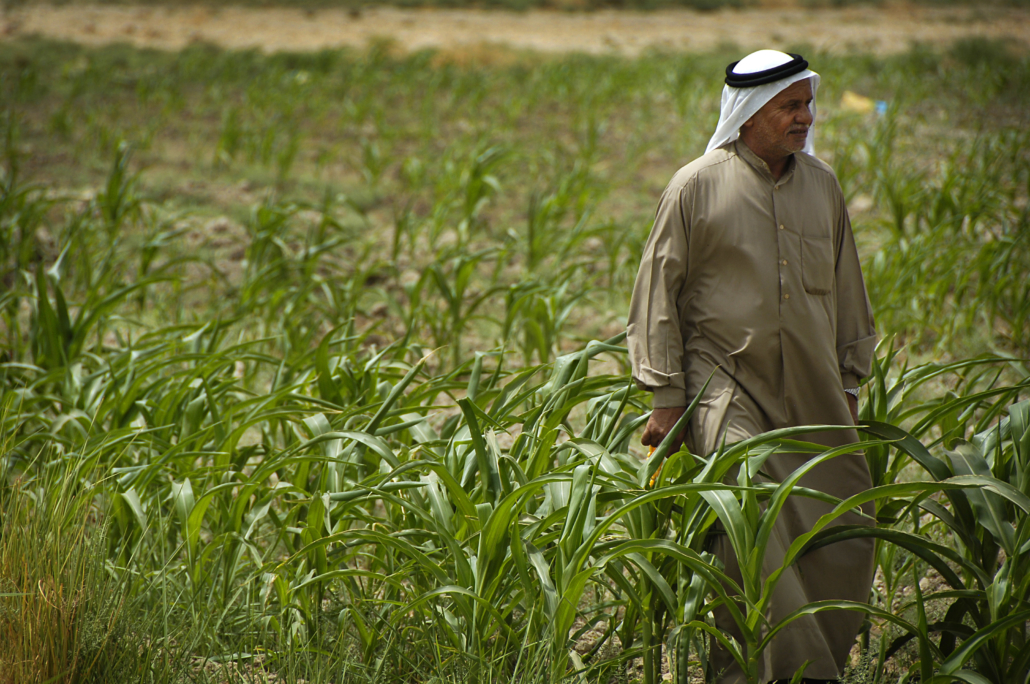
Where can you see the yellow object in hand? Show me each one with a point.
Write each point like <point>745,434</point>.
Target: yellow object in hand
<point>654,478</point>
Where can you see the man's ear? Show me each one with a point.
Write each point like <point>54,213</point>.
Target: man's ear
<point>749,123</point>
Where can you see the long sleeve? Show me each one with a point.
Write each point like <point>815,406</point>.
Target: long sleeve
<point>655,339</point>
<point>856,334</point>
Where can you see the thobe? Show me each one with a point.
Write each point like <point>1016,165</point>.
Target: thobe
<point>759,280</point>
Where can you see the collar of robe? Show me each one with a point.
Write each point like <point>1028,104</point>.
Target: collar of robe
<point>761,167</point>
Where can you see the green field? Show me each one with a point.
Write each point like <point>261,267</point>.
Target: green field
<point>312,367</point>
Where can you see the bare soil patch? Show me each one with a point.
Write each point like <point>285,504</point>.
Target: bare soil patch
<point>883,29</point>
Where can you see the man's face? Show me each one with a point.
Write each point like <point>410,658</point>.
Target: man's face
<point>781,126</point>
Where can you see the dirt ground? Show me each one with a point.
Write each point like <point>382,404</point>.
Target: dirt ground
<point>889,28</point>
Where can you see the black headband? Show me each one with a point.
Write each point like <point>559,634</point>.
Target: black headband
<point>757,78</point>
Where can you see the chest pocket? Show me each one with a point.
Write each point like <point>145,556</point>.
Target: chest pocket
<point>817,265</point>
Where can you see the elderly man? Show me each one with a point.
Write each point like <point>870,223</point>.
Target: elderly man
<point>751,271</point>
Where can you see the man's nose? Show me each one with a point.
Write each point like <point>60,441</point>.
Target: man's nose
<point>805,116</point>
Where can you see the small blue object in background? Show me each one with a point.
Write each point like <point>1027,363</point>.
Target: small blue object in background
<point>881,107</point>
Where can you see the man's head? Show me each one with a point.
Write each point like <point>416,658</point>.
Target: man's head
<point>780,127</point>
<point>760,82</point>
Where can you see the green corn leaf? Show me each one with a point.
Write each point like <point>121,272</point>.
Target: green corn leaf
<point>521,562</point>
<point>421,560</point>
<point>621,576</point>
<point>182,497</point>
<point>457,495</point>
<point>579,492</point>
<point>257,514</point>
<point>539,563</point>
<point>926,662</point>
<point>960,676</point>
<point>497,533</point>
<point>379,447</point>
<point>335,574</point>
<point>982,636</point>
<point>317,426</point>
<point>717,581</point>
<point>368,637</point>
<point>730,646</point>
<point>195,520</point>
<point>488,467</point>
<point>994,486</point>
<point>89,314</point>
<point>477,371</point>
<point>48,344</point>
<point>987,505</point>
<point>1000,591</point>
<point>628,428</point>
<point>822,606</point>
<point>441,509</point>
<point>64,324</point>
<point>730,514</point>
<point>510,395</point>
<point>496,456</point>
<point>394,395</point>
<point>1019,427</point>
<point>421,431</point>
<point>327,389</point>
<point>411,423</point>
<point>941,513</point>
<point>910,445</point>
<point>613,419</point>
<point>657,581</point>
<point>936,555</point>
<point>800,672</point>
<point>454,591</point>
<point>131,499</point>
<point>373,492</point>
<point>696,590</point>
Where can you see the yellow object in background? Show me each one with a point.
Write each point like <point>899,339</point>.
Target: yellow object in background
<point>854,102</point>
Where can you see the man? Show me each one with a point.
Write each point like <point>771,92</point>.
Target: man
<point>751,271</point>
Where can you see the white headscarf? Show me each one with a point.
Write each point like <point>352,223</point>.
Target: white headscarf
<point>740,104</point>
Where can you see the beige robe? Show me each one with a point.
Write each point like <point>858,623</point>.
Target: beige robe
<point>760,278</point>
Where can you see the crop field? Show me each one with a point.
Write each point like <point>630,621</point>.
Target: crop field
<point>312,368</point>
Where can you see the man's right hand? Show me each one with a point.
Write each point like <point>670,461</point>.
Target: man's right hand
<point>660,424</point>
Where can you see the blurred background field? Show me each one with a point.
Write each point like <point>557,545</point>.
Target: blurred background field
<point>847,28</point>
<point>520,5</point>
<point>302,378</point>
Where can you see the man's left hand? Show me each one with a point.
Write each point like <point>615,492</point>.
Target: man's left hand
<point>853,406</point>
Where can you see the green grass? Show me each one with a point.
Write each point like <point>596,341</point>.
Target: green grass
<point>301,373</point>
